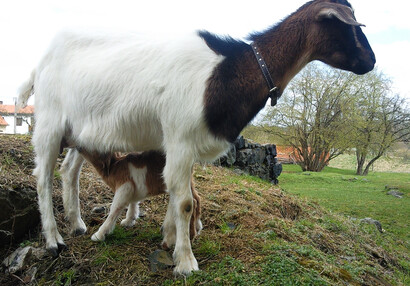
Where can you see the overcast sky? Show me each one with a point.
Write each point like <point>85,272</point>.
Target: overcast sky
<point>27,27</point>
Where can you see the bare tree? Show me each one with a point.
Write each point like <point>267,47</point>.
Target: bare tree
<point>313,116</point>
<point>326,111</point>
<point>382,120</point>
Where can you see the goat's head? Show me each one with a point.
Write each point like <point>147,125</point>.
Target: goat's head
<point>335,37</point>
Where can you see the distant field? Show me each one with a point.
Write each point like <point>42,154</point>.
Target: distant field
<point>391,163</point>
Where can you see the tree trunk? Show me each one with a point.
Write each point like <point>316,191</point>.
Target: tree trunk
<point>361,158</point>
<point>366,170</point>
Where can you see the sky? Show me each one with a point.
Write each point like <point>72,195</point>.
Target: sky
<point>27,27</point>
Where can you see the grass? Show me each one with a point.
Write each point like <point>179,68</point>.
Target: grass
<point>359,197</point>
<point>66,278</point>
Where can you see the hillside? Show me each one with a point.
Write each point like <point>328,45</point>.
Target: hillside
<point>254,234</point>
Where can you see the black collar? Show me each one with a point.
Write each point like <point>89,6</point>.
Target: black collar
<point>274,93</point>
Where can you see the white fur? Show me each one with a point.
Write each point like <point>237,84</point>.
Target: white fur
<point>125,92</point>
<point>70,172</point>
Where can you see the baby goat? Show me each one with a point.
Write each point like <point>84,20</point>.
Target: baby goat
<point>133,177</point>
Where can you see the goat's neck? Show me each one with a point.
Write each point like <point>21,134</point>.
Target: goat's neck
<point>239,80</point>
<point>284,52</point>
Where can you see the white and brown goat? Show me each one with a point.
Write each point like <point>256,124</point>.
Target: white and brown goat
<point>187,96</point>
<point>133,177</point>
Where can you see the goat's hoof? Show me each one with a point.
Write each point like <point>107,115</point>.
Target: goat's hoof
<point>185,270</point>
<point>128,223</point>
<point>55,251</point>
<point>78,228</point>
<point>186,266</point>
<point>95,237</point>
<point>61,246</point>
<point>78,231</point>
<point>165,246</point>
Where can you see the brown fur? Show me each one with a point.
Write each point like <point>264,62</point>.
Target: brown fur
<point>237,90</point>
<point>113,168</point>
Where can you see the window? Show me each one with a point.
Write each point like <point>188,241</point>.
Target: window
<point>19,121</point>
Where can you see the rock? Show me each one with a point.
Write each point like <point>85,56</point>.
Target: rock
<point>98,210</point>
<point>388,188</point>
<point>21,262</point>
<point>160,260</point>
<point>396,194</point>
<point>240,143</point>
<point>243,157</point>
<point>231,225</point>
<point>246,144</point>
<point>349,258</point>
<point>30,275</point>
<point>239,172</point>
<point>17,261</point>
<point>260,155</point>
<point>373,221</point>
<point>270,149</point>
<point>253,159</point>
<point>350,179</point>
<point>230,158</point>
<point>18,213</point>
<point>276,171</point>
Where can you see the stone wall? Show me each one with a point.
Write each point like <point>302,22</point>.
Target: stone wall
<point>254,159</point>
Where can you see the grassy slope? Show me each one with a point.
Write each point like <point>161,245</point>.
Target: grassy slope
<point>255,234</point>
<point>356,196</point>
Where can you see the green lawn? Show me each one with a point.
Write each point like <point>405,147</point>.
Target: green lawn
<point>344,192</point>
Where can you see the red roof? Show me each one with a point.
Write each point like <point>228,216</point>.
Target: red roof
<point>3,121</point>
<point>9,109</point>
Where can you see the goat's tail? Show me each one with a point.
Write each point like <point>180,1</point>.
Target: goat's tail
<point>25,91</point>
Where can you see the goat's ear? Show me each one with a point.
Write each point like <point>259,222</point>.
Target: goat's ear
<point>340,12</point>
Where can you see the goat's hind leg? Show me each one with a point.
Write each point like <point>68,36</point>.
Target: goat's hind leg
<point>47,145</point>
<point>70,173</point>
<point>132,215</point>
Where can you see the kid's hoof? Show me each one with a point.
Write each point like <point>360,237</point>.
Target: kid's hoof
<point>128,223</point>
<point>95,237</point>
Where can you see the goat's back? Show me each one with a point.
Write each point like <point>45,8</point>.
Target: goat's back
<point>123,92</point>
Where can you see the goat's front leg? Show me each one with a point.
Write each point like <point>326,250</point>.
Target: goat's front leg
<point>121,198</point>
<point>168,228</point>
<point>70,173</point>
<point>177,175</point>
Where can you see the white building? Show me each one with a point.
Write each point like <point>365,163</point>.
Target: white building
<point>21,122</point>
